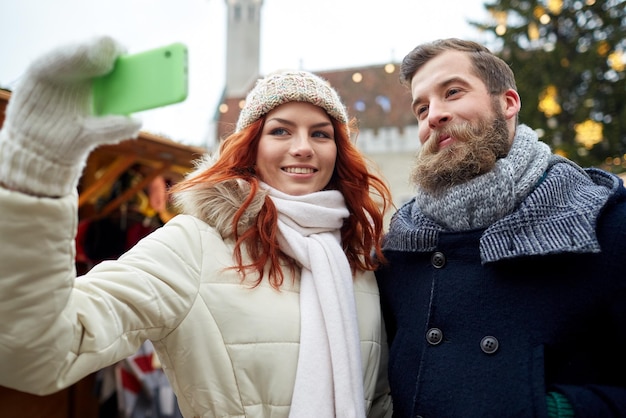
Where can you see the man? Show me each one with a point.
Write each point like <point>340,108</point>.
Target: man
<point>505,291</point>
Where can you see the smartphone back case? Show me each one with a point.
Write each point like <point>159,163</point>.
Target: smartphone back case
<point>143,81</point>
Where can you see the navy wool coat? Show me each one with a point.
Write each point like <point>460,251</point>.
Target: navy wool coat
<point>477,335</point>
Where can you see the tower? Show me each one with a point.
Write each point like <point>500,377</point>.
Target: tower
<point>243,45</point>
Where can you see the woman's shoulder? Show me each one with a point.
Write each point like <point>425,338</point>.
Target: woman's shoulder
<point>189,227</point>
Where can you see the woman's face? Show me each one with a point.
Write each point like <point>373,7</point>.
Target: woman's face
<point>297,150</point>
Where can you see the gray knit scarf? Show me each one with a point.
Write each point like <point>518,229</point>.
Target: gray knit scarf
<point>574,198</point>
<point>481,201</point>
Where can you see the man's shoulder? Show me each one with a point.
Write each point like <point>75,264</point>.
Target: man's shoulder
<point>611,221</point>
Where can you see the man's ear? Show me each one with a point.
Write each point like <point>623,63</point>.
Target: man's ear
<point>513,103</point>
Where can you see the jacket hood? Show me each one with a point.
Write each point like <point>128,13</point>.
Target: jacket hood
<point>217,203</point>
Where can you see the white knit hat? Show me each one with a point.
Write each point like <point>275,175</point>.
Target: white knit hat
<point>290,86</point>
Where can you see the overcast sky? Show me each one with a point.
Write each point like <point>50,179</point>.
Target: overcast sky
<point>312,35</point>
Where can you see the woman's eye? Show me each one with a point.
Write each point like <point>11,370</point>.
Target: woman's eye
<point>321,134</point>
<point>278,131</point>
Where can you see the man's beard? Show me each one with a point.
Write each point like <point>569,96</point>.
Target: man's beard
<point>477,148</point>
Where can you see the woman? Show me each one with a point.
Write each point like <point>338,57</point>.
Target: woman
<point>259,298</point>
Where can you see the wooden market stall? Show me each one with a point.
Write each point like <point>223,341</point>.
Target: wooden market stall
<point>148,157</point>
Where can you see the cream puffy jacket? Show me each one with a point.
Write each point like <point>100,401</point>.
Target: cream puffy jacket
<point>228,349</point>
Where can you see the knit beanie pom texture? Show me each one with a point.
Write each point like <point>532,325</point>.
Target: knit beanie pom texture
<point>290,86</point>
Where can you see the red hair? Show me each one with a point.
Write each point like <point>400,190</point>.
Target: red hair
<point>366,194</point>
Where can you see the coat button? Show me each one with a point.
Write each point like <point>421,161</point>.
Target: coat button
<point>489,344</point>
<point>434,336</point>
<point>438,260</point>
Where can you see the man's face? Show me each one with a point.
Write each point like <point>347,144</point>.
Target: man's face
<point>462,128</point>
<point>475,150</point>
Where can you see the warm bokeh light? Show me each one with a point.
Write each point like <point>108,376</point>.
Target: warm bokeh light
<point>533,31</point>
<point>548,103</point>
<point>588,133</point>
<point>500,17</point>
<point>617,61</point>
<point>560,152</point>
<point>555,6</point>
<point>603,48</point>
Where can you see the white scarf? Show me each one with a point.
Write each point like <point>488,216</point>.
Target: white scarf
<point>329,363</point>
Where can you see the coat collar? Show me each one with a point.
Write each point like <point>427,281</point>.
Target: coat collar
<point>216,204</point>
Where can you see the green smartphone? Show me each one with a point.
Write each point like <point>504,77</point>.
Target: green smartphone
<point>142,81</point>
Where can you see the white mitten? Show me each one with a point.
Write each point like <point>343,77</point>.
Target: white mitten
<point>49,128</point>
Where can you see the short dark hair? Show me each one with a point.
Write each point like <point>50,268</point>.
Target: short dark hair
<point>493,71</point>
